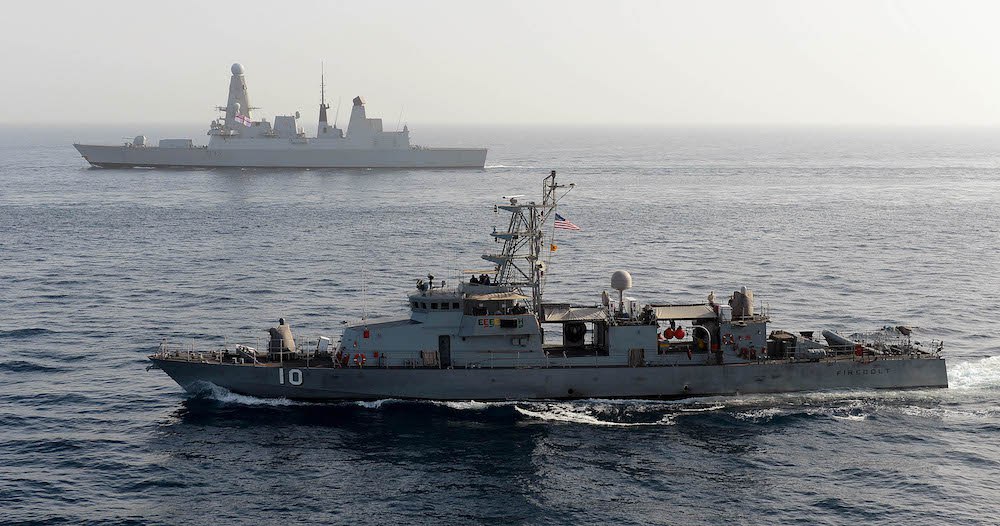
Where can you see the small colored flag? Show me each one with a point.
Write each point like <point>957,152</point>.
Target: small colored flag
<point>562,223</point>
<point>243,119</point>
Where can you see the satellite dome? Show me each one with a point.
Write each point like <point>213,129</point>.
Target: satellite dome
<point>621,280</point>
<point>237,69</point>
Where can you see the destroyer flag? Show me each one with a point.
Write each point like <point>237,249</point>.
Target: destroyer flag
<point>243,119</point>
<point>562,223</point>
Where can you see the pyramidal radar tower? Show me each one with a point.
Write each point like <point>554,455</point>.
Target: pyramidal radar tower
<point>238,103</point>
<point>237,140</point>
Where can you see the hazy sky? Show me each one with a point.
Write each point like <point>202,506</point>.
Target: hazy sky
<point>700,62</point>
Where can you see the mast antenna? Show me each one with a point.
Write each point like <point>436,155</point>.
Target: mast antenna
<point>322,84</point>
<point>323,106</point>
<point>521,262</point>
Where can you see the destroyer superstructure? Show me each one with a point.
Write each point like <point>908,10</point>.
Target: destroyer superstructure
<point>238,140</point>
<point>493,337</point>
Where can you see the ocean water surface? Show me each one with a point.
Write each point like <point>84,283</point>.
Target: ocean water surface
<point>832,228</point>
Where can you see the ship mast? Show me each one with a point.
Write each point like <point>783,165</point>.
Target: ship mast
<point>520,264</point>
<point>323,106</point>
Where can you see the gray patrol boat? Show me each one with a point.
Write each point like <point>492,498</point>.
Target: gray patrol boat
<point>491,338</point>
<point>238,140</point>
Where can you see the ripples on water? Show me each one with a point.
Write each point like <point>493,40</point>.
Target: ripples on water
<point>838,229</point>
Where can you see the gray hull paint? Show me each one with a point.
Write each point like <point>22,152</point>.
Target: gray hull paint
<point>305,157</point>
<point>556,383</point>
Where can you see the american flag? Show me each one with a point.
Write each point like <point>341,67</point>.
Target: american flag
<point>243,119</point>
<point>562,223</point>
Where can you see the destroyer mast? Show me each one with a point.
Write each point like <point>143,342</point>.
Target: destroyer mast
<point>323,106</point>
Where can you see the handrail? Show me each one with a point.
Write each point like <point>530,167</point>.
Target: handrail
<point>874,346</point>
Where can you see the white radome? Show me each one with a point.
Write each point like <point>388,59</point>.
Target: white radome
<point>621,280</point>
<point>238,69</point>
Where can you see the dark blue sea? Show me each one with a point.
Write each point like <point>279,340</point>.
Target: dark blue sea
<point>832,228</point>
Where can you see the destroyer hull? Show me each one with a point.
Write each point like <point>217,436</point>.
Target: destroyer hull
<point>322,383</point>
<point>305,157</point>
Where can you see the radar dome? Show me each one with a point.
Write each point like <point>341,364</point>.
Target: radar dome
<point>237,69</point>
<point>621,280</point>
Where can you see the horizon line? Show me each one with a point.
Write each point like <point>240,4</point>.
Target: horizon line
<point>541,124</point>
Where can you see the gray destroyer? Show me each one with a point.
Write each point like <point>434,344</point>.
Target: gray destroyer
<point>492,337</point>
<point>237,140</point>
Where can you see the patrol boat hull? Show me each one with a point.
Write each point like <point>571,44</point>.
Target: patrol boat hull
<point>102,156</point>
<point>493,338</point>
<point>372,383</point>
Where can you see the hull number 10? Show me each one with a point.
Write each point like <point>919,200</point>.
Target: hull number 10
<point>294,376</point>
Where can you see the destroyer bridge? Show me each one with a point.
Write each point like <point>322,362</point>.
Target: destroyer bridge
<point>493,337</point>
<point>237,139</point>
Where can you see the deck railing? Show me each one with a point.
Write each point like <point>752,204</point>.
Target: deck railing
<point>869,346</point>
